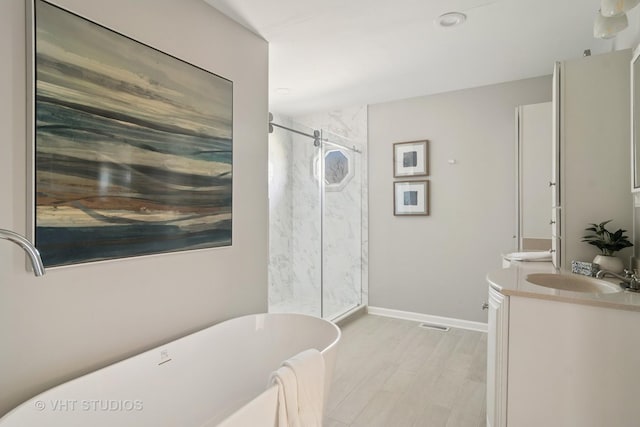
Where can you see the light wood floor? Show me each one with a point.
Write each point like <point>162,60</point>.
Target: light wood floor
<point>392,373</point>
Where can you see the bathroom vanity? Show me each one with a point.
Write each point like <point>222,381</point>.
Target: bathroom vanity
<point>560,357</point>
<point>564,350</point>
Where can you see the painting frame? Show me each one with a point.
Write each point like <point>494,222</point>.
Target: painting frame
<point>411,198</point>
<point>411,158</point>
<point>166,185</point>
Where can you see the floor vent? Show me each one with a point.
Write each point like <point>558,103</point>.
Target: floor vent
<point>433,326</point>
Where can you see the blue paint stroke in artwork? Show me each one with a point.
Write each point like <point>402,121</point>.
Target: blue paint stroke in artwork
<point>85,244</point>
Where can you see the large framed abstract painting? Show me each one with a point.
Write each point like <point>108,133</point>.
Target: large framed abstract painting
<point>132,147</point>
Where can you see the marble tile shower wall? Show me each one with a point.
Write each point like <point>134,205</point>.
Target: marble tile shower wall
<point>280,215</point>
<point>295,223</point>
<point>306,229</point>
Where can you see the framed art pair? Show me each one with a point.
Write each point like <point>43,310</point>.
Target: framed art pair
<point>411,159</point>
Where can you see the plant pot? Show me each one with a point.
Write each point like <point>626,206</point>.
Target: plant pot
<point>609,263</point>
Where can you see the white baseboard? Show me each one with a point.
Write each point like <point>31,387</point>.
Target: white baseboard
<point>427,318</point>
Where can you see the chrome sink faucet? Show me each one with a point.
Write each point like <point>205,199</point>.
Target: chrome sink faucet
<point>630,278</point>
<point>34,255</point>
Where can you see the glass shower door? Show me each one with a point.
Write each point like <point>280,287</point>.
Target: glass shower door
<point>341,225</point>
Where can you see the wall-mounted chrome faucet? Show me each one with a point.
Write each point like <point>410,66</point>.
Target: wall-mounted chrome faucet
<point>34,255</point>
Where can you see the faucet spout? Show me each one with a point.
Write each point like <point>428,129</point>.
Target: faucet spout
<point>32,252</point>
<point>601,274</point>
<point>631,281</point>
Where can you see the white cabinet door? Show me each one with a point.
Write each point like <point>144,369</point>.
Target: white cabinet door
<point>497,346</point>
<point>572,365</point>
<point>554,182</point>
<point>556,235</point>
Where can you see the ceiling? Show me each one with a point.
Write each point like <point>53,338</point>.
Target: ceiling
<point>327,54</point>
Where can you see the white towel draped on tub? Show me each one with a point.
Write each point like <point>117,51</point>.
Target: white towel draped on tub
<point>300,382</point>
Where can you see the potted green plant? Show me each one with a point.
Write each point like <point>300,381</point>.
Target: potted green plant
<point>609,243</point>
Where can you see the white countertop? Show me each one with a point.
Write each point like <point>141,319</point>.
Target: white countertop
<point>512,281</point>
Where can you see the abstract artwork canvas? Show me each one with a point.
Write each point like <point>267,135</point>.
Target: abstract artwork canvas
<point>411,198</point>
<point>132,146</point>
<point>411,158</point>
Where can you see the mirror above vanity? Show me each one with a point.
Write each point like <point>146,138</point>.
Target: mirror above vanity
<point>635,152</point>
<point>533,148</point>
<point>635,121</point>
<point>587,180</point>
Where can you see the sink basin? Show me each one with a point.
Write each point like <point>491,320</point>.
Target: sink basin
<point>573,283</point>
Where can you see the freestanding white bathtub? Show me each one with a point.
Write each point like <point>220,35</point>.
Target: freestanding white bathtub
<point>217,376</point>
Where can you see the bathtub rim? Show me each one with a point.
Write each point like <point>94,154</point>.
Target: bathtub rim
<point>336,328</point>
<point>157,347</point>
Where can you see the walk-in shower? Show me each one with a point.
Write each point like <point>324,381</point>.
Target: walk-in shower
<point>315,221</point>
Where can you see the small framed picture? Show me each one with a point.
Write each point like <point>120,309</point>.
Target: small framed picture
<point>411,158</point>
<point>411,198</point>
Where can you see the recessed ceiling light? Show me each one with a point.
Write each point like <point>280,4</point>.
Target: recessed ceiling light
<point>451,19</point>
<point>283,91</point>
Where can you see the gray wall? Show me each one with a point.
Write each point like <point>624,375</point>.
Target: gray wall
<point>77,319</point>
<point>437,264</point>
